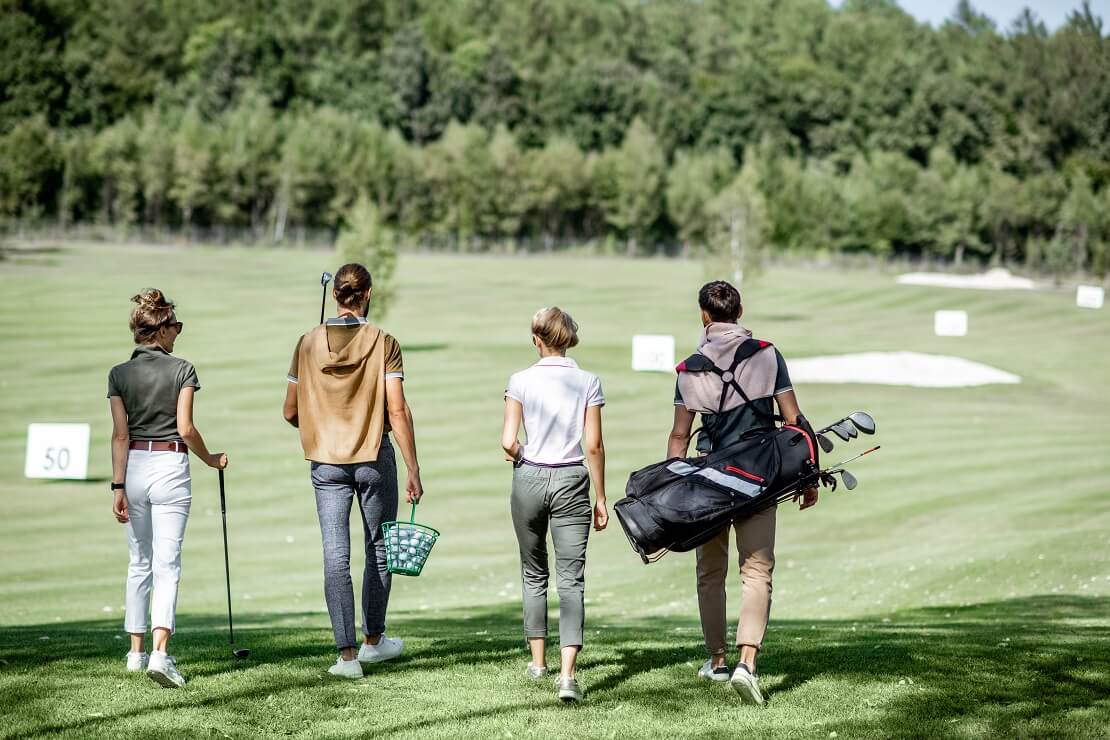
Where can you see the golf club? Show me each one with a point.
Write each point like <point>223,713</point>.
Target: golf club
<point>839,431</point>
<point>239,653</point>
<point>825,442</point>
<point>850,481</point>
<point>325,278</point>
<point>849,429</point>
<point>850,459</point>
<point>863,421</point>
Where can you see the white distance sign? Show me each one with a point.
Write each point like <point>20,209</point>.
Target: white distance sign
<point>57,451</point>
<point>950,323</point>
<point>653,353</point>
<point>1089,296</point>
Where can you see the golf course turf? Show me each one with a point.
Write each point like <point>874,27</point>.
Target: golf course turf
<point>963,590</point>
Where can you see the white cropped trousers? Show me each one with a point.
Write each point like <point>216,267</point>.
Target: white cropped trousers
<point>158,498</point>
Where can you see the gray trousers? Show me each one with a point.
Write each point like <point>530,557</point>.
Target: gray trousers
<point>375,484</point>
<point>557,499</point>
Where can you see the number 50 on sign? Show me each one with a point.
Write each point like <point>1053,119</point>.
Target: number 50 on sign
<point>57,451</point>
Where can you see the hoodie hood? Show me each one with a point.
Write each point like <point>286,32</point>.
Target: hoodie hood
<point>351,356</point>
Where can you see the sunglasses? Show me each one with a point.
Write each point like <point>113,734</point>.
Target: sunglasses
<point>176,325</point>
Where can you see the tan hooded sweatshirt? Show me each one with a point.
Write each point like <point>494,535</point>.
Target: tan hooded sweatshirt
<point>341,396</point>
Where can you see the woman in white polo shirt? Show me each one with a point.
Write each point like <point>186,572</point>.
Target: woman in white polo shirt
<point>560,407</point>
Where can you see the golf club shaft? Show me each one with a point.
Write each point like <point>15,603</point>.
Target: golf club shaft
<point>323,300</point>
<point>857,457</point>
<point>227,566</point>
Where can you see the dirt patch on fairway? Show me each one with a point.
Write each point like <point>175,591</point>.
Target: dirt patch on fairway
<point>897,368</point>
<point>996,279</point>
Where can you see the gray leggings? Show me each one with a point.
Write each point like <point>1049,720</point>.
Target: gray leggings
<point>375,483</point>
<point>558,498</point>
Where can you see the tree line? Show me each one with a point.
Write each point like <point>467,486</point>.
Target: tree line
<point>696,125</point>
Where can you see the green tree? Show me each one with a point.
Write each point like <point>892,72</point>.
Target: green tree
<point>29,168</point>
<point>692,182</point>
<point>633,177</point>
<point>739,223</point>
<point>364,238</point>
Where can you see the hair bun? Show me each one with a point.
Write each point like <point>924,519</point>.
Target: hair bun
<point>151,298</point>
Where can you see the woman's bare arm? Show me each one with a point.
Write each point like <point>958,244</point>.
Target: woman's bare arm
<point>120,439</point>
<point>594,448</point>
<point>191,435</point>
<point>514,414</point>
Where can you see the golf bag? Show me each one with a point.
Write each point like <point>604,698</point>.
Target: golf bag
<point>680,503</point>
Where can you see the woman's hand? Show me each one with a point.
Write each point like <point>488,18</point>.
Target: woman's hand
<point>217,460</point>
<point>119,507</point>
<point>601,515</point>
<point>414,489</point>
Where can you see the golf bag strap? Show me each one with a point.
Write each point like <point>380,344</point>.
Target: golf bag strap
<point>746,349</point>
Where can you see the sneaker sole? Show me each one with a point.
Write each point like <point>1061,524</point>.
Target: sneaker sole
<point>370,661</point>
<point>714,678</point>
<point>162,679</point>
<point>749,694</point>
<point>569,697</point>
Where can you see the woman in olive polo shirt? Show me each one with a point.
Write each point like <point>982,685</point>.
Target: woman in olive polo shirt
<point>151,398</point>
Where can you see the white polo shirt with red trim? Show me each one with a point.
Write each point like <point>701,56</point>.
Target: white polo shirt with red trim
<point>555,394</point>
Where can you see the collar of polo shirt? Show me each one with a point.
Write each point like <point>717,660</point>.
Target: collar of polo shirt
<point>557,362</point>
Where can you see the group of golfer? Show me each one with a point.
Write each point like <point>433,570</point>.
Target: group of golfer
<point>345,395</point>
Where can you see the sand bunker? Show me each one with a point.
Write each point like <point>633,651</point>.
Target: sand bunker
<point>997,279</point>
<point>897,368</point>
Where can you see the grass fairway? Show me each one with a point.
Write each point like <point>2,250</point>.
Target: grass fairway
<point>963,590</point>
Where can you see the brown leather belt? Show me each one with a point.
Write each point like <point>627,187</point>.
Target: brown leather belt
<point>158,446</point>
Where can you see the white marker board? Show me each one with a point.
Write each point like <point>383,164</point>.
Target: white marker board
<point>1089,296</point>
<point>57,451</point>
<point>653,353</point>
<point>950,323</point>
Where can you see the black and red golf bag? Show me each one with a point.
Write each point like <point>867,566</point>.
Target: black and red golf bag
<point>681,503</point>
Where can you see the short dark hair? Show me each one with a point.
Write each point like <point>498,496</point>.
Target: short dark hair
<point>720,300</point>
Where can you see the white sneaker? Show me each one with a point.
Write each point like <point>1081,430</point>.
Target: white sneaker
<point>535,672</point>
<point>387,649</point>
<point>707,671</point>
<point>568,690</point>
<point>137,661</point>
<point>162,669</point>
<point>346,668</point>
<point>746,685</point>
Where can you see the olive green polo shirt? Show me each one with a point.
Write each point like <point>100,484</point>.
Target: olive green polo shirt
<point>149,384</point>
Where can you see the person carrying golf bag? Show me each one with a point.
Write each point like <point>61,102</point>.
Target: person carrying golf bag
<point>345,394</point>
<point>151,399</point>
<point>735,393</point>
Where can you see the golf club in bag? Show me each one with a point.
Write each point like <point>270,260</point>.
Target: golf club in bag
<point>240,653</point>
<point>325,278</point>
<point>681,503</point>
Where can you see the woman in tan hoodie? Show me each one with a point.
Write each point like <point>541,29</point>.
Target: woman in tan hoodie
<point>345,394</point>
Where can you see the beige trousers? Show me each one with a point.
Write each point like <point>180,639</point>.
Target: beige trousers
<point>756,544</point>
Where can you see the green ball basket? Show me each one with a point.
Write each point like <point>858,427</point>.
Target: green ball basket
<point>407,545</point>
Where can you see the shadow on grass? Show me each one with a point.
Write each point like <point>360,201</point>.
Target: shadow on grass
<point>1016,667</point>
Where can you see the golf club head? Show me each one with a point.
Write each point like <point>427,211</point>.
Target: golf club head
<point>241,653</point>
<point>862,421</point>
<point>825,442</point>
<point>838,431</point>
<point>325,278</point>
<point>849,430</point>
<point>850,481</point>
